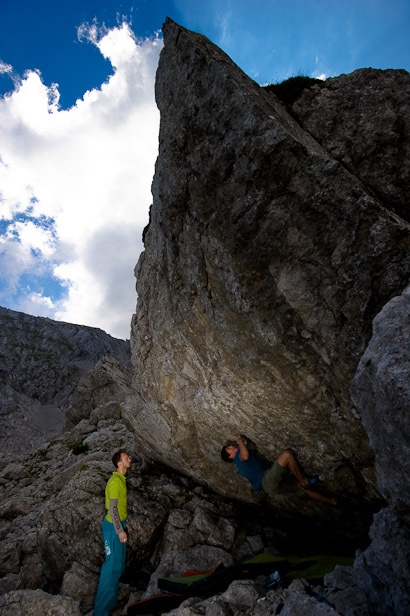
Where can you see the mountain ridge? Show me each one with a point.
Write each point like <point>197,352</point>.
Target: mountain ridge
<point>41,363</point>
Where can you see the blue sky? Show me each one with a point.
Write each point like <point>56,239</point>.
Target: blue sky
<point>79,125</point>
<point>269,39</point>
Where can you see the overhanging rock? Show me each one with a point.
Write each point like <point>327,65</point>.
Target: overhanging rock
<point>265,261</point>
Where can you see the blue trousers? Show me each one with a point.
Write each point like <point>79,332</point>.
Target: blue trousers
<point>111,570</point>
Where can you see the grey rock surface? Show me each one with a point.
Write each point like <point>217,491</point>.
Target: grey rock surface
<point>337,114</point>
<point>301,604</point>
<point>381,391</point>
<point>265,261</point>
<point>37,603</point>
<point>41,362</point>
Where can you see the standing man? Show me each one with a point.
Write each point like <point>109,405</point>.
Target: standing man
<point>274,480</point>
<point>114,529</point>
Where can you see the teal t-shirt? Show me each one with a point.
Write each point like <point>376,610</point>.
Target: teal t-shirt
<point>116,489</point>
<point>252,469</point>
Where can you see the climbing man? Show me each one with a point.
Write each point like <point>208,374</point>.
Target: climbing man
<point>274,480</point>
<point>114,529</point>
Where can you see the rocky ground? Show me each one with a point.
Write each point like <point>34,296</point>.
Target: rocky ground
<point>52,506</point>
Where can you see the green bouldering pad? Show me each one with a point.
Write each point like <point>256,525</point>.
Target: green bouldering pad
<point>308,567</point>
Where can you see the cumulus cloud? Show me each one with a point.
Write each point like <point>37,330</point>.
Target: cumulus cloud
<point>75,188</point>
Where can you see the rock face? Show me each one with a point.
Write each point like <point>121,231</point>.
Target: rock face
<point>272,244</point>
<point>278,233</point>
<point>41,362</point>
<point>373,145</point>
<point>381,391</point>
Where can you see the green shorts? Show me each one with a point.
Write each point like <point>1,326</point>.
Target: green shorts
<point>278,480</point>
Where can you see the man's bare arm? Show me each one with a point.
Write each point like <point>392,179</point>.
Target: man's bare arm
<point>243,451</point>
<point>115,516</point>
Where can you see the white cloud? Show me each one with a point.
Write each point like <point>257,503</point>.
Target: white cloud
<point>38,304</point>
<point>87,171</point>
<point>5,68</point>
<point>34,238</point>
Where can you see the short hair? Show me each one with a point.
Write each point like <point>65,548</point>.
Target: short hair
<point>117,457</point>
<point>225,455</point>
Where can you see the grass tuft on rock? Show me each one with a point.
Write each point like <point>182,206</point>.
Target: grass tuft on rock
<point>288,91</point>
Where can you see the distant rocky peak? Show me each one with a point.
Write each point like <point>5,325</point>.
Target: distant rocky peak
<point>41,363</point>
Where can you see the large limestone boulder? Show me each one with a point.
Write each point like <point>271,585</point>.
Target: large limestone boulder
<point>265,260</point>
